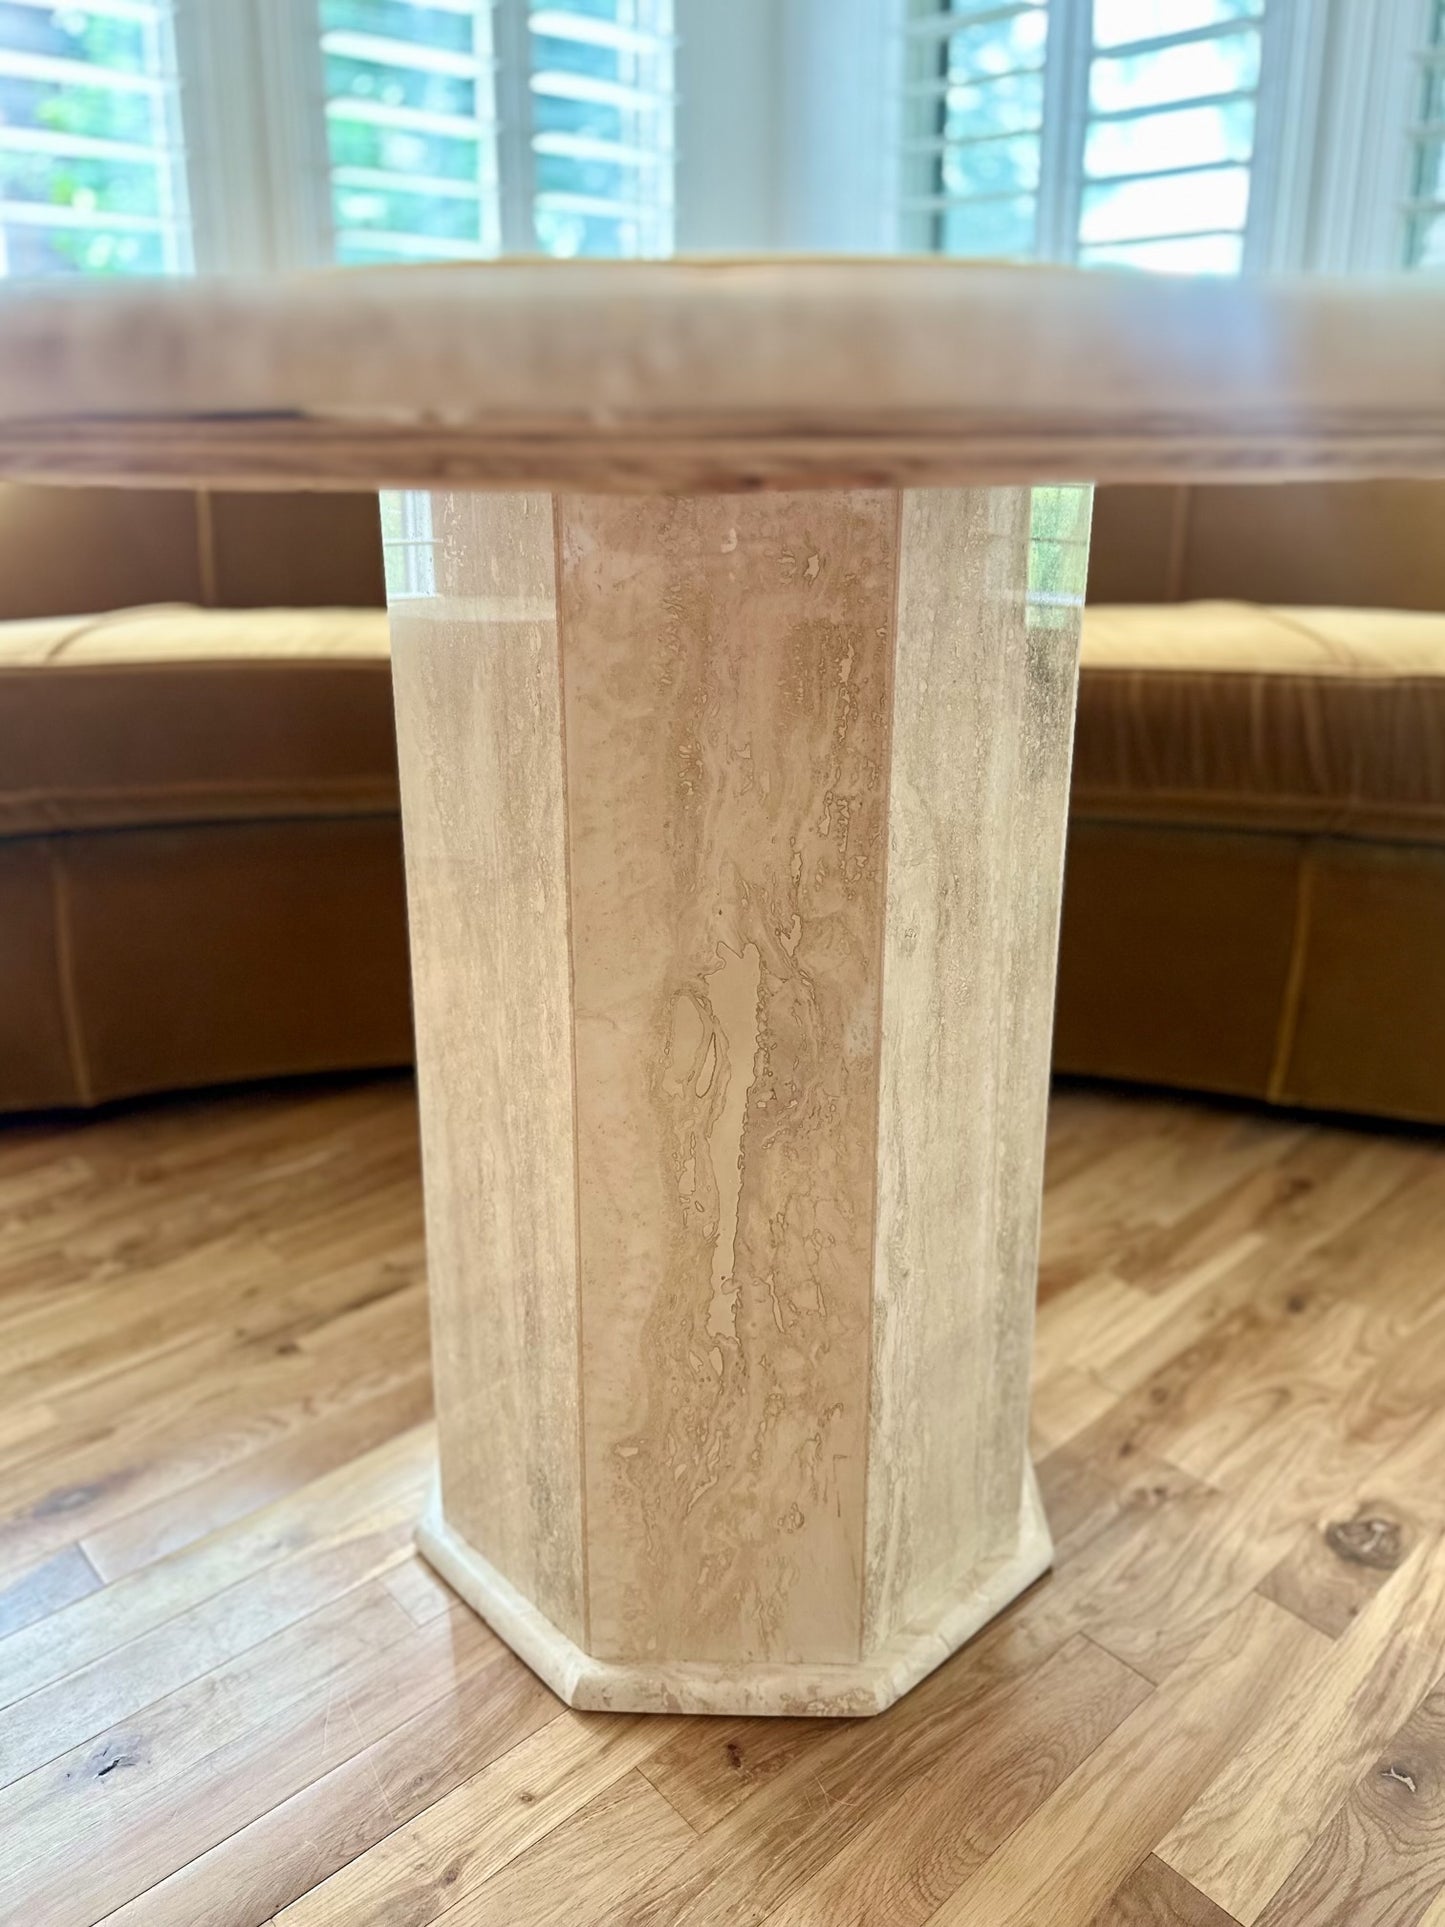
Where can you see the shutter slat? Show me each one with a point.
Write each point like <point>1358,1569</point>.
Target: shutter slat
<point>91,178</point>
<point>975,139</point>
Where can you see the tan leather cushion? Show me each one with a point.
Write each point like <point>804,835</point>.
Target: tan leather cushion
<point>176,714</point>
<point>1230,715</point>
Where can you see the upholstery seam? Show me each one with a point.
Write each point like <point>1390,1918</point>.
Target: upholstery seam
<point>1294,977</point>
<point>65,977</point>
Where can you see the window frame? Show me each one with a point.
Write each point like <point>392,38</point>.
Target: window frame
<point>1329,177</point>
<point>172,225</point>
<point>1291,45</point>
<point>264,204</point>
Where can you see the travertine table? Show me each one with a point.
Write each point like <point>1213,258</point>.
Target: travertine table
<point>735,614</point>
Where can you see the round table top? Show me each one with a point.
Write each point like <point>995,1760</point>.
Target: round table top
<point>699,375</point>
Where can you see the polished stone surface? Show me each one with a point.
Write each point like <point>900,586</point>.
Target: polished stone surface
<point>734,837</point>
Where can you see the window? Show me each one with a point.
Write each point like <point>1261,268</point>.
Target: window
<point>1425,210</point>
<point>408,544</point>
<point>1173,90</point>
<point>974,80</point>
<point>90,151</point>
<point>427,162</point>
<point>1095,130</point>
<point>602,127</point>
<point>1058,554</point>
<point>410,129</point>
<point>350,130</point>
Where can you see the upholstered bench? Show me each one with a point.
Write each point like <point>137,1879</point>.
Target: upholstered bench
<point>1254,901</point>
<point>200,863</point>
<point>200,855</point>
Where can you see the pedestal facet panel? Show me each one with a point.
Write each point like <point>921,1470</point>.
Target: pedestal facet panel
<point>734,832</point>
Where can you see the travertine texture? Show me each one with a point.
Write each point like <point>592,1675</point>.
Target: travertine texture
<point>480,740</point>
<point>726,667</point>
<point>978,800</point>
<point>694,377</point>
<point>734,839</point>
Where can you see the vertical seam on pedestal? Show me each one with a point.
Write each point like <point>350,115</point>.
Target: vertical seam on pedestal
<point>572,1056</point>
<point>890,662</point>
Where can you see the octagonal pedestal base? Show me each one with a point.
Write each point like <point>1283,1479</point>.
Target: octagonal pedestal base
<point>774,1689</point>
<point>734,835</point>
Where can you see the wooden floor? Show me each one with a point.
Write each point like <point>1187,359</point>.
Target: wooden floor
<point>232,1693</point>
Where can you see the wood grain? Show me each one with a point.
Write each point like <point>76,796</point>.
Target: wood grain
<point>1037,1771</point>
<point>1075,1849</point>
<point>1330,1575</point>
<point>692,377</point>
<point>476,1711</point>
<point>922,1839</point>
<point>448,1854</point>
<point>1269,1801</point>
<point>1155,1896</point>
<point>585,1867</point>
<point>1380,1862</point>
<point>714,1765</point>
<point>46,1588</point>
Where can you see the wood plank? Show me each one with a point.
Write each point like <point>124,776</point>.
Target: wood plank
<point>205,1423</point>
<point>65,1576</point>
<point>585,1868</point>
<point>1253,1823</point>
<point>71,1846</point>
<point>102,1622</point>
<point>918,1843</point>
<point>421,1592</point>
<point>482,1713</point>
<point>705,1773</point>
<point>1330,1575</point>
<point>1145,1197</point>
<point>1380,1862</point>
<point>326,1444</point>
<point>754,1860</point>
<point>447,1854</point>
<point>1214,1379</point>
<point>1151,1597</point>
<point>1063,1402</point>
<point>120,1684</point>
<point>1076,1849</point>
<point>1155,1896</point>
<point>1300,1377</point>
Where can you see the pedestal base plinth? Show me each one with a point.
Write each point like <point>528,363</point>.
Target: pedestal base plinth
<point>775,1689</point>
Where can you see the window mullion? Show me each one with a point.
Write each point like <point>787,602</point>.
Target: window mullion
<point>1377,228</point>
<point>1288,118</point>
<point>511,37</point>
<point>1061,155</point>
<point>292,111</point>
<point>218,59</point>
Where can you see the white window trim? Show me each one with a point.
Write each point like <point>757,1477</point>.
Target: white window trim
<point>1370,102</point>
<point>516,173</point>
<point>174,223</point>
